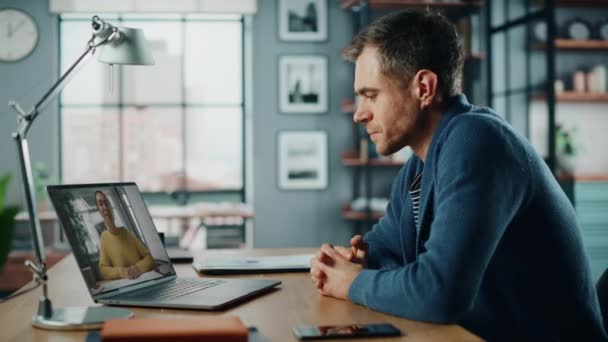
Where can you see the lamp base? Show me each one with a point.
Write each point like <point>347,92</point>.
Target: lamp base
<point>79,318</point>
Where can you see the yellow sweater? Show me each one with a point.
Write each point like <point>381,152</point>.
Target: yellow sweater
<point>122,250</point>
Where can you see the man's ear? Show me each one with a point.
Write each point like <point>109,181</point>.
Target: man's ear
<point>425,82</point>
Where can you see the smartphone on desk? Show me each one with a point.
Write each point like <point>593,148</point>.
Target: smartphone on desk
<point>346,331</point>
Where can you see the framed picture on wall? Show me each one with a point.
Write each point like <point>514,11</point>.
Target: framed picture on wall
<point>303,20</point>
<point>302,160</point>
<point>303,84</point>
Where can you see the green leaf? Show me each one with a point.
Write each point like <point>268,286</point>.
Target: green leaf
<point>4,180</point>
<point>7,221</point>
<point>7,230</point>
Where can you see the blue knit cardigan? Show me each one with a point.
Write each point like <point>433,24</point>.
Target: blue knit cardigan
<point>497,249</point>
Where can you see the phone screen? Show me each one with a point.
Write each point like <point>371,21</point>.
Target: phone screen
<point>346,331</point>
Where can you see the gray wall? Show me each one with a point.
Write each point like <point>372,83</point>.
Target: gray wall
<point>26,81</point>
<point>299,218</point>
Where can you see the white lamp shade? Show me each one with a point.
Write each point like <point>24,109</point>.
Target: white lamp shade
<point>130,48</point>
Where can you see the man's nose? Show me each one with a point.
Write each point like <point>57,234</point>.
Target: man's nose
<point>362,115</point>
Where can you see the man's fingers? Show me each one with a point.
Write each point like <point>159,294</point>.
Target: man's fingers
<point>317,265</point>
<point>358,242</point>
<point>330,251</point>
<point>317,273</point>
<point>321,256</point>
<point>323,292</point>
<point>345,252</point>
<point>318,281</point>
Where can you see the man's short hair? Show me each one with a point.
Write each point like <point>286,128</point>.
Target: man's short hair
<point>409,41</point>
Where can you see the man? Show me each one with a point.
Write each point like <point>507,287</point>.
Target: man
<point>477,231</point>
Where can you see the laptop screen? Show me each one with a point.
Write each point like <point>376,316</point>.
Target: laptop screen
<point>112,235</point>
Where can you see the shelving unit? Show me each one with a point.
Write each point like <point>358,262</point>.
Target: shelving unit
<point>359,216</point>
<point>392,4</point>
<point>570,96</point>
<point>571,44</point>
<point>363,169</point>
<point>475,56</point>
<point>372,162</point>
<point>348,107</point>
<point>576,3</point>
<point>506,93</point>
<point>351,158</point>
<point>588,191</point>
<point>583,177</point>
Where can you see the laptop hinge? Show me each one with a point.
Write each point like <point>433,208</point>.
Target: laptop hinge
<point>134,287</point>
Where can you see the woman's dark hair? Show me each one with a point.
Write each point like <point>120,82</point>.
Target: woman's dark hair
<point>409,41</point>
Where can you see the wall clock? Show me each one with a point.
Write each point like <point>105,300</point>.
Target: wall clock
<point>18,35</point>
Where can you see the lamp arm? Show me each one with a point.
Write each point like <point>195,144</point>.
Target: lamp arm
<point>26,119</point>
<point>67,76</point>
<point>45,308</point>
<point>24,122</point>
<point>63,80</point>
<point>47,317</point>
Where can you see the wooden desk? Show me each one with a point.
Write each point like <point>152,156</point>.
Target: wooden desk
<point>275,313</point>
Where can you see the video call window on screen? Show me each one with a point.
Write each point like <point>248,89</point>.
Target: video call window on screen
<point>113,237</point>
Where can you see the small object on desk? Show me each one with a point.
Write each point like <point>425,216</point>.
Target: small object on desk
<point>346,331</point>
<point>265,264</point>
<point>254,336</point>
<point>179,255</point>
<point>208,328</point>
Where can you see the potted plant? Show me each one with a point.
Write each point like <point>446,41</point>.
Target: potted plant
<point>42,178</point>
<point>565,149</point>
<point>7,221</point>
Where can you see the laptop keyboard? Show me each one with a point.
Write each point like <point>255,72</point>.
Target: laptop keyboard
<point>179,288</point>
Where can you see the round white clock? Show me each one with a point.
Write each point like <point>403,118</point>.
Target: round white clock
<point>18,35</point>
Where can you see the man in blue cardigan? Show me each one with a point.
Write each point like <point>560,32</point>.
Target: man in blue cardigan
<point>477,231</point>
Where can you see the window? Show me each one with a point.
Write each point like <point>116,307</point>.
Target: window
<point>177,125</point>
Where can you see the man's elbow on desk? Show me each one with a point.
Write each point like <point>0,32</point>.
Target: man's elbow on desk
<point>430,303</point>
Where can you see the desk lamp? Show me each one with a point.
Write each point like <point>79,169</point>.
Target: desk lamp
<point>117,46</point>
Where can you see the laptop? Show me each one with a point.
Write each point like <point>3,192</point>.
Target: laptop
<point>262,264</point>
<point>121,256</point>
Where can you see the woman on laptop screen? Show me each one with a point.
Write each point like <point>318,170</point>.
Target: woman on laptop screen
<point>121,254</point>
